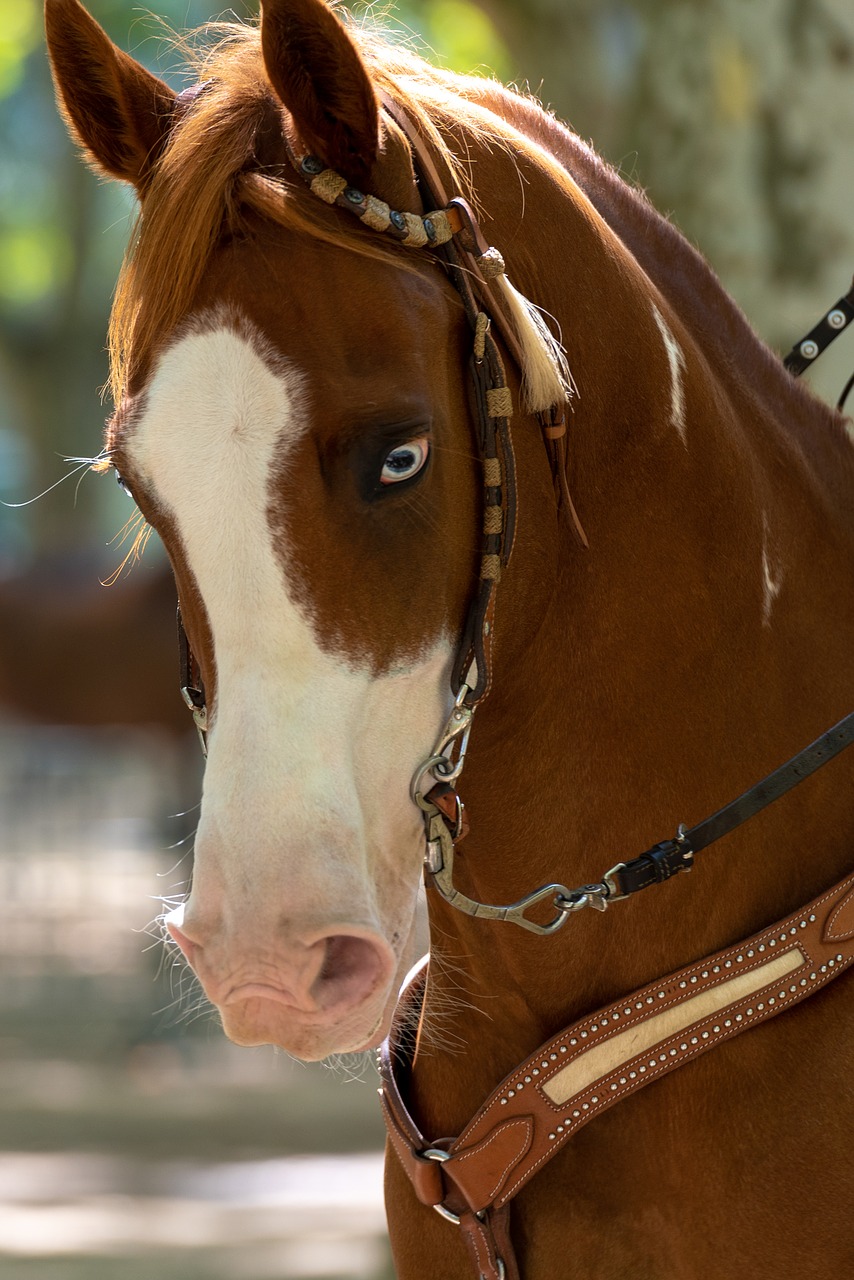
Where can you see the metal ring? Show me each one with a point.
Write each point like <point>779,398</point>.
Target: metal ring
<point>435,1153</point>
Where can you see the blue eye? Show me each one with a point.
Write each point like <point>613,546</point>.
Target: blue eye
<point>405,461</point>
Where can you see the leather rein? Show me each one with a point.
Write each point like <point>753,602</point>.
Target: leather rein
<point>594,1063</point>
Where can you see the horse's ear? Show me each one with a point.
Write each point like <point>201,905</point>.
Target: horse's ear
<point>317,72</point>
<point>116,110</point>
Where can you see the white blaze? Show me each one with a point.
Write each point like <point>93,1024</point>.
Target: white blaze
<point>676,361</point>
<point>310,755</point>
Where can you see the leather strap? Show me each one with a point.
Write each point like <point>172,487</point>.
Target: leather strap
<point>670,856</point>
<point>819,338</point>
<point>606,1056</point>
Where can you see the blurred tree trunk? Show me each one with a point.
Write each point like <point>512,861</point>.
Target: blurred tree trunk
<point>736,118</point>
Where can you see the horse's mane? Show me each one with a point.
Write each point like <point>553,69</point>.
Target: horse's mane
<point>208,182</point>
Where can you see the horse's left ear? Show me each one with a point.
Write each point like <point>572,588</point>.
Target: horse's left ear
<point>118,112</point>
<point>318,73</point>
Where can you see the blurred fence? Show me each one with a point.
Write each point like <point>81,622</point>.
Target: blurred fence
<point>133,1139</point>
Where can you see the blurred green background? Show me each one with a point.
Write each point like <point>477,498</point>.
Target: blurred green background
<point>133,1139</point>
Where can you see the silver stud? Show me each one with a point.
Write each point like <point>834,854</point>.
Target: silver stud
<point>812,919</point>
<point>535,1071</point>
<point>511,1093</point>
<point>560,1128</point>
<point>613,1088</point>
<point>739,959</point>
<point>594,1100</point>
<point>803,924</point>
<point>585,1106</point>
<point>728,1022</point>
<point>661,995</point>
<point>639,1004</point>
<point>504,1102</point>
<point>762,946</point>
<point>584,1035</point>
<point>837,319</point>
<point>627,1012</point>
<point>633,1075</point>
<point>809,349</point>
<point>694,1040</point>
<point>751,952</point>
<point>552,1137</point>
<point>772,942</point>
<point>576,1114</point>
<point>771,1000</point>
<point>553,1057</point>
<point>649,1000</point>
<point>563,1049</point>
<point>673,1053</point>
<point>694,979</point>
<point>705,1035</point>
<point>595,1026</point>
<point>683,984</point>
<point>704,974</point>
<point>544,1064</point>
<point>573,1041</point>
<point>750,1013</point>
<point>739,1017</point>
<point>727,964</point>
<point>683,1047</point>
<point>641,1070</point>
<point>527,1079</point>
<point>716,969</point>
<point>839,958</point>
<point>604,1022</point>
<point>803,983</point>
<point>716,1030</point>
<point>793,931</point>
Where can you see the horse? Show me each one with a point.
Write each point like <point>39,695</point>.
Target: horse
<point>588,506</point>
<point>80,681</point>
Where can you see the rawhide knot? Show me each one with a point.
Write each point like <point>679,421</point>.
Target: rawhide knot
<point>491,263</point>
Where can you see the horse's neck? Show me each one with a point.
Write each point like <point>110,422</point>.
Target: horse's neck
<point>670,667</point>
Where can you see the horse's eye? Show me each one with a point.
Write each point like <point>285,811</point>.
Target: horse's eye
<point>120,482</point>
<point>405,461</point>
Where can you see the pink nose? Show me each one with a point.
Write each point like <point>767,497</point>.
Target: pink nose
<point>331,974</point>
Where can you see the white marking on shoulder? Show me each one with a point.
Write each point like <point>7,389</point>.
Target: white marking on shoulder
<point>772,574</point>
<point>676,360</point>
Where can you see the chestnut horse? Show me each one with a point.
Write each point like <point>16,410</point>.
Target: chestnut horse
<point>297,418</point>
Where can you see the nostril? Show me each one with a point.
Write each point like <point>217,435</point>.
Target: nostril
<point>353,968</point>
<point>186,946</point>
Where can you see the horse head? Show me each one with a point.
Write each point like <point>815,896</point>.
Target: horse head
<point>294,419</point>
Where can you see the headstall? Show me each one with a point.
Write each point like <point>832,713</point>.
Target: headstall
<point>609,1054</point>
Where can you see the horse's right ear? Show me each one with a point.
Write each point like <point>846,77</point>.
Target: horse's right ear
<point>116,110</point>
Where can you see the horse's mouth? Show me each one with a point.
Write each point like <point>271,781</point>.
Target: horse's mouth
<point>259,1014</point>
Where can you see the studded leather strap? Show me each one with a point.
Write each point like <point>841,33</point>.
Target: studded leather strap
<point>601,1059</point>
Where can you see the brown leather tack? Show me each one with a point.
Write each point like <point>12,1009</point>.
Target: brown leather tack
<point>840,923</point>
<point>603,1058</point>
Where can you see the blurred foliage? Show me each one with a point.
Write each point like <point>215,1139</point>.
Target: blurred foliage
<point>709,103</point>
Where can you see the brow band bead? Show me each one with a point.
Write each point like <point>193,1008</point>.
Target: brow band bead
<point>376,215</point>
<point>491,472</point>
<point>328,185</point>
<point>490,569</point>
<point>499,402</point>
<point>441,226</point>
<point>416,235</point>
<point>493,520</point>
